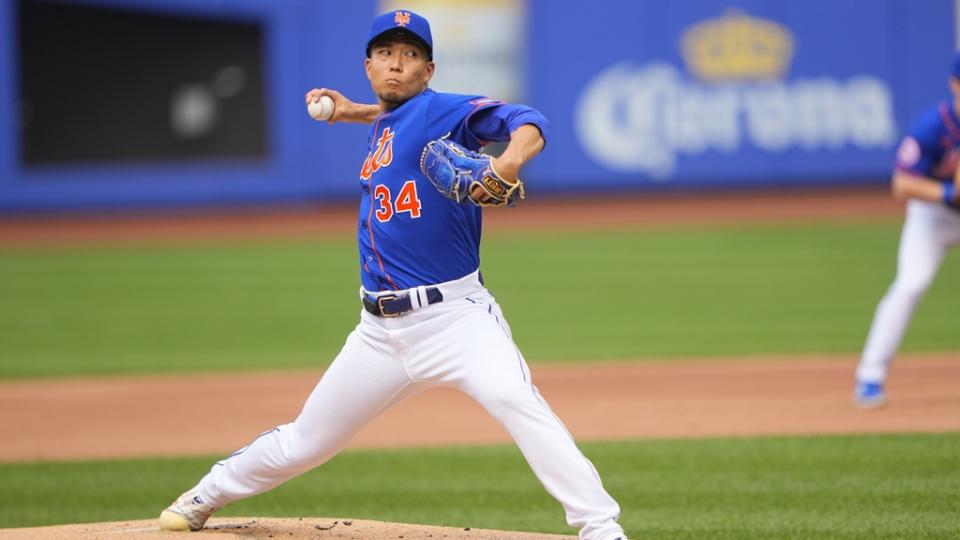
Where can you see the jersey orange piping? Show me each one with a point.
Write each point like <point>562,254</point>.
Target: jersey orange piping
<point>373,244</point>
<point>949,123</point>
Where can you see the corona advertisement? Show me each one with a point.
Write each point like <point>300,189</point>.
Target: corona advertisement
<point>733,91</point>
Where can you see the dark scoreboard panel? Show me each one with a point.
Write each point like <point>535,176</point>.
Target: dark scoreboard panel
<point>101,84</point>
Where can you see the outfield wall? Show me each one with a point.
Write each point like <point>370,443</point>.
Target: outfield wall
<point>158,103</point>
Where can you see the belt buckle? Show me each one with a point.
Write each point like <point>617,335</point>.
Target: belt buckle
<point>380,300</point>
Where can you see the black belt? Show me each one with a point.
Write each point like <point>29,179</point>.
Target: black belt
<point>392,305</point>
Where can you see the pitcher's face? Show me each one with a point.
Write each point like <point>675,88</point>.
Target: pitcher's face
<point>398,69</point>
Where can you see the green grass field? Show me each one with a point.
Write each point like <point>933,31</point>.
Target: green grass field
<point>573,296</point>
<point>863,487</point>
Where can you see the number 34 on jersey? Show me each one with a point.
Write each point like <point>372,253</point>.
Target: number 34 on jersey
<point>406,200</point>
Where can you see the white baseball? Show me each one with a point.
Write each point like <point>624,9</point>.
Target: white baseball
<point>321,110</point>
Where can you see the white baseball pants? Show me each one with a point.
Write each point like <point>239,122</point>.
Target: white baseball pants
<point>930,230</point>
<point>462,342</point>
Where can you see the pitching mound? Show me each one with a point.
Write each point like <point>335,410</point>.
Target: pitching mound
<point>289,528</point>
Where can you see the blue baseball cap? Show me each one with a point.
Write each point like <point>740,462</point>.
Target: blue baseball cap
<point>401,22</point>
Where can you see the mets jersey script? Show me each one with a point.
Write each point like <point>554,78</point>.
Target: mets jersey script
<point>932,148</point>
<point>408,233</point>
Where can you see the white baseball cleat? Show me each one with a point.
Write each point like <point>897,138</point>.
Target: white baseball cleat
<point>187,513</point>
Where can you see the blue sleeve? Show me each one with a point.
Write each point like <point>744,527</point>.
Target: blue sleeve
<point>498,122</point>
<point>920,150</point>
<point>474,121</point>
<point>448,113</point>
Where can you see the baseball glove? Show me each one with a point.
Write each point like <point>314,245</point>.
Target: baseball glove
<point>454,171</point>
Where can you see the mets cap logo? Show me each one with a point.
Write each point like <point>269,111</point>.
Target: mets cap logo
<point>402,18</point>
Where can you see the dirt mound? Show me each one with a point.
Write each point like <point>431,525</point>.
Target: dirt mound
<point>289,528</point>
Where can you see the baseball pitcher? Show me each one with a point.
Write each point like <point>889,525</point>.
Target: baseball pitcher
<point>926,177</point>
<point>427,319</point>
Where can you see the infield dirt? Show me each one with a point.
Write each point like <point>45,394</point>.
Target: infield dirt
<point>555,215</point>
<point>122,417</point>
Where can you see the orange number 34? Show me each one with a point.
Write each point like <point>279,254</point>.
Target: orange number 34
<point>407,201</point>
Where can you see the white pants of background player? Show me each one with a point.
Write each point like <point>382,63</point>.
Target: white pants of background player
<point>930,231</point>
<point>462,342</point>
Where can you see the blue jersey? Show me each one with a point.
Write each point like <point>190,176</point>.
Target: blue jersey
<point>932,148</point>
<point>408,233</point>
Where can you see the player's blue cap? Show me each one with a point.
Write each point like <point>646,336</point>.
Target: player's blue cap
<point>402,22</point>
<point>956,65</point>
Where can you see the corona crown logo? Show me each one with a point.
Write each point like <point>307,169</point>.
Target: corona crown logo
<point>402,18</point>
<point>737,47</point>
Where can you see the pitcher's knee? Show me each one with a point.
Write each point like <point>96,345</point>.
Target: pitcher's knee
<point>506,398</point>
<point>303,450</point>
<point>911,288</point>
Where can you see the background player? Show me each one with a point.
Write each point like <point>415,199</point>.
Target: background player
<point>428,319</point>
<point>926,177</point>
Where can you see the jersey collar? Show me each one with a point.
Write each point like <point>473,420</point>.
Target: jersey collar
<point>427,91</point>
